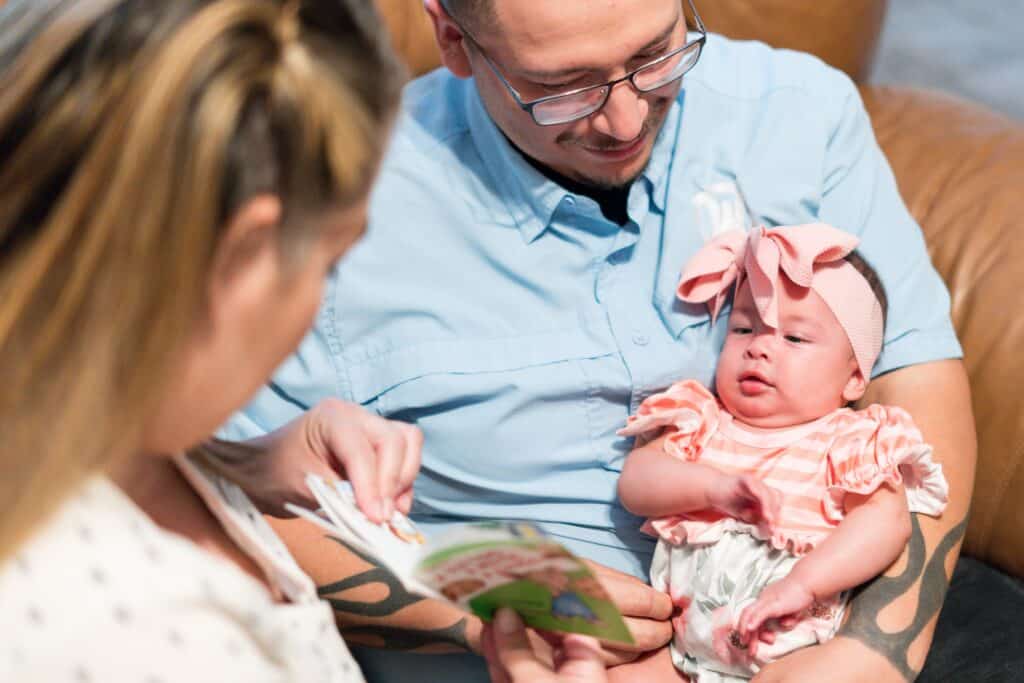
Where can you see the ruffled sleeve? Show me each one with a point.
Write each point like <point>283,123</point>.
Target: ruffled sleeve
<point>881,445</point>
<point>686,409</point>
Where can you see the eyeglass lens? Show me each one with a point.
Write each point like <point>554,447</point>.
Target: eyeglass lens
<point>578,105</point>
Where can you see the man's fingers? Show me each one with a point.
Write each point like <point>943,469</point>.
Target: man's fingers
<point>648,634</point>
<point>514,653</point>
<point>490,652</point>
<point>581,659</point>
<point>635,598</point>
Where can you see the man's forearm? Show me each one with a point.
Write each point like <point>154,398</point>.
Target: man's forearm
<point>895,614</point>
<point>370,605</point>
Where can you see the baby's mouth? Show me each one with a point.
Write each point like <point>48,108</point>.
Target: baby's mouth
<point>753,382</point>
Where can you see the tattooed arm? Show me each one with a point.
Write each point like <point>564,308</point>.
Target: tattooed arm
<point>370,605</point>
<point>892,619</point>
<point>373,609</point>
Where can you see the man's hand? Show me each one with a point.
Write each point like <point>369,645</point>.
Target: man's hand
<point>333,439</point>
<point>745,498</point>
<point>511,657</point>
<point>646,613</point>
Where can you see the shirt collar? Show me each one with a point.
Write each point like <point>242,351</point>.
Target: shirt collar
<point>657,170</point>
<point>529,195</point>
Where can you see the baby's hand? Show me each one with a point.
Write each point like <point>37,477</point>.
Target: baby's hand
<point>783,600</point>
<point>746,498</point>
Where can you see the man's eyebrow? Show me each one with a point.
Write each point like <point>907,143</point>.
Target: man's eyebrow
<point>545,75</point>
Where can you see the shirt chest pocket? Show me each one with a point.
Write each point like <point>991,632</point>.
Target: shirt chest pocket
<point>447,374</point>
<point>492,410</point>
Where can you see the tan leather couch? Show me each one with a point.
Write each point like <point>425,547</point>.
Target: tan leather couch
<point>960,169</point>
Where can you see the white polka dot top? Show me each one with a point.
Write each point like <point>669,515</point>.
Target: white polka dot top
<point>101,593</point>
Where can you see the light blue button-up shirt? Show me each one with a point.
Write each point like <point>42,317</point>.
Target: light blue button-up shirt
<point>518,327</point>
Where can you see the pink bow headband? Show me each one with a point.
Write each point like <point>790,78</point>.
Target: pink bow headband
<point>810,256</point>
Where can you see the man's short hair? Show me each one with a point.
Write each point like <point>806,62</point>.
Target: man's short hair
<point>475,15</point>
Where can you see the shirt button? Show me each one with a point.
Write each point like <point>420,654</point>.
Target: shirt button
<point>569,201</point>
<point>641,339</point>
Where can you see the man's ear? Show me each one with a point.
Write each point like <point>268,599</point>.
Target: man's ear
<point>247,260</point>
<point>855,386</point>
<point>450,40</point>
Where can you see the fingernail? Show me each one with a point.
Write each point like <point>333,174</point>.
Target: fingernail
<point>507,621</point>
<point>380,510</point>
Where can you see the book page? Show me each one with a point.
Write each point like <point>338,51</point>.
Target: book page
<point>478,567</point>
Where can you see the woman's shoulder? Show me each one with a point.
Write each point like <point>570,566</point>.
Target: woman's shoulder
<point>101,587</point>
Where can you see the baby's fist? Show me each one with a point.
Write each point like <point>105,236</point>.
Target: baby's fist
<point>783,600</point>
<point>745,498</point>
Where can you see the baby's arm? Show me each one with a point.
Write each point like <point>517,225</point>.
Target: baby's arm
<point>869,539</point>
<point>655,484</point>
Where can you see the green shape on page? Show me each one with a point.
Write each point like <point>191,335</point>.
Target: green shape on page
<point>568,612</point>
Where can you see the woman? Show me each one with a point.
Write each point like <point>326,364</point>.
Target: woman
<point>175,179</point>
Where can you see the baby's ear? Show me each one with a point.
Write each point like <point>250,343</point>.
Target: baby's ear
<point>855,386</point>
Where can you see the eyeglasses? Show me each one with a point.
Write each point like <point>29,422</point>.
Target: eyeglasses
<point>582,102</point>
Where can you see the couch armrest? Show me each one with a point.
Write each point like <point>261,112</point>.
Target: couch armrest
<point>960,169</point>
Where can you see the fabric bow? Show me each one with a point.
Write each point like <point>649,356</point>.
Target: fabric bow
<point>810,256</point>
<point>760,256</point>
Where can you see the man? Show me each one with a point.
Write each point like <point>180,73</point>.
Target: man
<point>515,298</point>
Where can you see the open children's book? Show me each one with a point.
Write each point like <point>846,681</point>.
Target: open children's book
<point>478,567</point>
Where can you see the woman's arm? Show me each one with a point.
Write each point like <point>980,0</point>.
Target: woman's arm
<point>655,484</point>
<point>868,540</point>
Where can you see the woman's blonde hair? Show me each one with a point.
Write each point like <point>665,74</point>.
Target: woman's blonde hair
<point>130,131</point>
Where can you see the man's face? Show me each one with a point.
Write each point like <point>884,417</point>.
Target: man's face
<point>547,48</point>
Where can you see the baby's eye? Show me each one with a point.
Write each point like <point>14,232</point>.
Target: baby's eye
<point>741,330</point>
<point>795,339</point>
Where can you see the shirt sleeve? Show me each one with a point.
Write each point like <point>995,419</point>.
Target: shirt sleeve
<point>686,409</point>
<point>309,375</point>
<point>860,195</point>
<point>881,445</point>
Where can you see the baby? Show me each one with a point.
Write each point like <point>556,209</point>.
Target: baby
<point>774,499</point>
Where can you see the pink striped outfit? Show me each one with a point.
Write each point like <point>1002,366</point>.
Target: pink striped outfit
<point>713,565</point>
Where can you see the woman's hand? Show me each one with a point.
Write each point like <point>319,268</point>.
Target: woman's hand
<point>512,659</point>
<point>333,439</point>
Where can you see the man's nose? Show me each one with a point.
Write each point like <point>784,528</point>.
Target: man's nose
<point>623,115</point>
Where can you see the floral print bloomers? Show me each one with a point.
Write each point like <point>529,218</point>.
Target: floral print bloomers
<point>713,566</point>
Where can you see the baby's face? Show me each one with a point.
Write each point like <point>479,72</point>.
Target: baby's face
<point>805,369</point>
